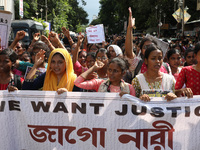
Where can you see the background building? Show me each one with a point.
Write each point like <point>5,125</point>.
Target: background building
<point>8,5</point>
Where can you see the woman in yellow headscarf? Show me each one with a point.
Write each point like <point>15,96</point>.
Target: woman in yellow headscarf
<point>59,75</point>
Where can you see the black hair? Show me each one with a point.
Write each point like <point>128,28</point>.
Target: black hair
<point>57,53</point>
<point>150,49</point>
<point>102,50</point>
<point>10,53</point>
<point>92,45</point>
<point>92,54</point>
<point>145,40</point>
<point>26,53</point>
<point>122,63</point>
<point>172,51</point>
<point>197,48</point>
<point>41,45</point>
<point>23,44</point>
<point>81,52</point>
<point>188,50</point>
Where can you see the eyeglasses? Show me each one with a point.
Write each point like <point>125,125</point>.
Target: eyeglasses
<point>101,58</point>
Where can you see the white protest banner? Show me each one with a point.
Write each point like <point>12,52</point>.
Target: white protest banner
<point>5,23</point>
<point>95,34</point>
<point>43,120</point>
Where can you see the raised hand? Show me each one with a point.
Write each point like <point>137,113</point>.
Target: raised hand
<point>131,21</point>
<point>80,40</point>
<point>36,37</point>
<point>66,32</point>
<point>98,65</point>
<point>39,58</point>
<point>20,35</point>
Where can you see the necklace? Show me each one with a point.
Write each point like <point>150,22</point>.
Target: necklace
<point>153,87</point>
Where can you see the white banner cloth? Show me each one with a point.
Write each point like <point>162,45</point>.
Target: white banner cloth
<point>41,120</point>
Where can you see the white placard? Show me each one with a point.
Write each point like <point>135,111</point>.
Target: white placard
<point>5,23</point>
<point>95,34</point>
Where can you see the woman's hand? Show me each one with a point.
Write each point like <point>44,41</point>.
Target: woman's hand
<point>122,93</point>
<point>66,32</point>
<point>12,88</point>
<point>36,37</point>
<point>170,96</point>
<point>98,65</point>
<point>185,92</point>
<point>80,40</point>
<point>39,58</point>
<point>62,90</point>
<point>145,98</point>
<point>20,35</point>
<point>131,21</point>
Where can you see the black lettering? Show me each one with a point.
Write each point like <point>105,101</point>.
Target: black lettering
<point>196,111</point>
<point>187,111</point>
<point>60,107</point>
<point>157,112</point>
<point>82,109</point>
<point>14,105</point>
<point>123,112</point>
<point>174,110</point>
<point>3,103</point>
<point>142,112</point>
<point>40,105</point>
<point>96,107</point>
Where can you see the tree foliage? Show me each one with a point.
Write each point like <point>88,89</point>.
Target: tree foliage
<point>60,13</point>
<point>113,13</point>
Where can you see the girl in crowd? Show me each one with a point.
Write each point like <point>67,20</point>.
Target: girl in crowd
<point>59,75</point>
<point>102,55</point>
<point>90,59</point>
<point>138,65</point>
<point>153,79</point>
<point>190,75</point>
<point>174,60</point>
<point>116,69</point>
<point>7,79</point>
<point>114,51</point>
<point>189,57</point>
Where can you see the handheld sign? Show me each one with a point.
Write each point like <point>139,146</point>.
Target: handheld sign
<point>95,34</point>
<point>5,23</point>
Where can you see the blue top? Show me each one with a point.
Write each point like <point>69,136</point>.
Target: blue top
<point>38,83</point>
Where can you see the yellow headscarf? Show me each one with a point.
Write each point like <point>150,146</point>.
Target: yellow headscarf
<point>67,80</point>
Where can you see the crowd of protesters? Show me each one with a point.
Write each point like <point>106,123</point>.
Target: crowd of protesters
<point>121,64</point>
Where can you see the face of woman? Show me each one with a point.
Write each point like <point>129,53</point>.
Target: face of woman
<point>190,58</point>
<point>25,58</point>
<point>154,60</point>
<point>115,73</point>
<point>197,57</point>
<point>145,45</point>
<point>175,60</point>
<point>90,61</point>
<point>93,49</point>
<point>82,58</point>
<point>101,56</point>
<point>112,52</point>
<point>58,65</point>
<point>5,64</point>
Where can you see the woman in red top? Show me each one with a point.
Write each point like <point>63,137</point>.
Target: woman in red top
<point>190,75</point>
<point>7,79</point>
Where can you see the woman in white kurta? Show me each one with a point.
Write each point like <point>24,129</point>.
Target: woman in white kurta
<point>154,83</point>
